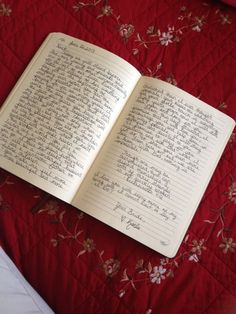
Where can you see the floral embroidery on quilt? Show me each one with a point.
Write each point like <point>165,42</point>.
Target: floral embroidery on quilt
<point>75,236</point>
<point>154,36</point>
<point>227,245</point>
<point>227,242</point>
<point>186,21</point>
<point>79,5</point>
<point>51,208</point>
<point>144,272</point>
<point>5,9</point>
<point>125,30</point>
<point>157,271</point>
<point>105,11</point>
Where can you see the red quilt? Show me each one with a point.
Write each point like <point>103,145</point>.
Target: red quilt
<point>76,263</point>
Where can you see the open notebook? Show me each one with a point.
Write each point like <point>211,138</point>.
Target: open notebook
<point>134,152</point>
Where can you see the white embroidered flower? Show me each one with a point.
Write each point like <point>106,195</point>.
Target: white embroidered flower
<point>232,192</point>
<point>193,258</point>
<point>5,10</point>
<point>166,38</point>
<point>126,30</point>
<point>122,293</point>
<point>170,79</point>
<point>228,245</point>
<point>198,23</point>
<point>106,11</point>
<point>111,267</point>
<point>224,19</point>
<point>196,28</point>
<point>157,274</point>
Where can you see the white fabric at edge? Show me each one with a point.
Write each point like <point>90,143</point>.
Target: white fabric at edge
<point>16,294</point>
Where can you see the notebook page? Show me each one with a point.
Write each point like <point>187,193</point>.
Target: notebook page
<point>153,171</point>
<point>60,112</point>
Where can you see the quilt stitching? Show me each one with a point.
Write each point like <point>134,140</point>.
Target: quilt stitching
<point>125,31</point>
<point>231,150</point>
<point>210,191</point>
<point>103,262</point>
<point>89,246</point>
<point>125,37</point>
<point>7,68</point>
<point>215,10</point>
<point>28,23</point>
<point>13,55</point>
<point>27,13</point>
<point>15,34</point>
<point>213,301</point>
<point>160,267</point>
<point>41,241</point>
<point>121,305</point>
<point>167,37</point>
<point>207,55</point>
<point>217,280</point>
<point>213,67</point>
<point>216,188</point>
<point>219,219</point>
<point>92,293</point>
<point>87,13</point>
<point>150,8</point>
<point>220,261</point>
<point>102,306</point>
<point>76,279</point>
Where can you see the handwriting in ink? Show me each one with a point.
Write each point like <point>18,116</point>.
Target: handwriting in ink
<point>61,115</point>
<point>168,128</point>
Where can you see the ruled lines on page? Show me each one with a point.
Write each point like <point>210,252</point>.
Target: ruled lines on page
<point>62,112</point>
<point>149,178</point>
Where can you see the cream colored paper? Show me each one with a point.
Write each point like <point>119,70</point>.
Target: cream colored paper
<point>134,152</point>
<point>61,111</point>
<point>152,172</point>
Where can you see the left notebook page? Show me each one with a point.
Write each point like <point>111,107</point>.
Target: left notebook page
<point>60,112</point>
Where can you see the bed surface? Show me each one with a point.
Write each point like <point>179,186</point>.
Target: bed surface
<point>76,263</point>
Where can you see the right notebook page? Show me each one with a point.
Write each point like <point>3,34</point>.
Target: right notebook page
<point>152,171</point>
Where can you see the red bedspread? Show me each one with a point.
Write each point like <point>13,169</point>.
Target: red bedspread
<point>76,263</point>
